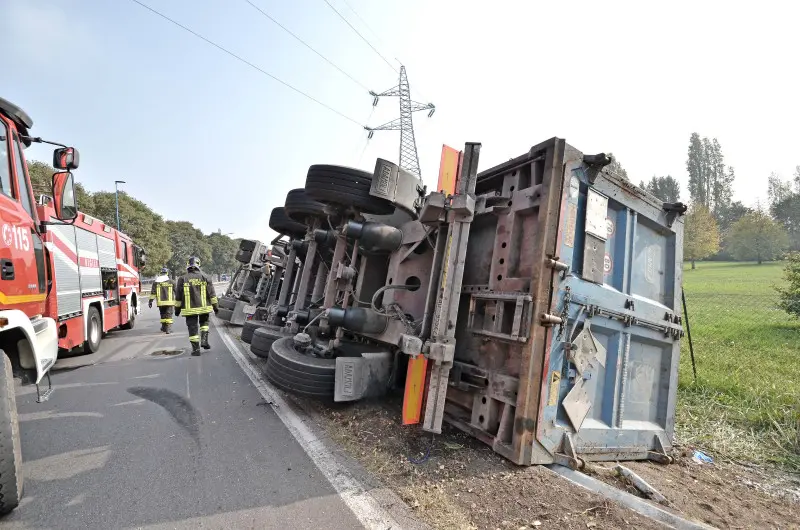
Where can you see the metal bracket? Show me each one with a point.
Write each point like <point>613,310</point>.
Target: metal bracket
<point>674,210</point>
<point>568,457</point>
<point>659,454</point>
<point>41,397</point>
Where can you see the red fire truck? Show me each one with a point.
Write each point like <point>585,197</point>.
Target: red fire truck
<point>64,279</point>
<point>96,276</point>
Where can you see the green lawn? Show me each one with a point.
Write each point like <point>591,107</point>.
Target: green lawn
<point>746,402</point>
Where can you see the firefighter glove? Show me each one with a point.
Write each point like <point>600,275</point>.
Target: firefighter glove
<point>177,311</point>
<point>150,303</point>
<point>216,309</point>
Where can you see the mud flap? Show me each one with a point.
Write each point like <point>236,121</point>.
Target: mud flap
<point>360,377</point>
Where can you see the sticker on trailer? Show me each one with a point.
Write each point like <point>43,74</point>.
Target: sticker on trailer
<point>569,229</point>
<point>574,187</point>
<point>596,214</point>
<point>608,264</point>
<point>249,309</point>
<point>555,384</point>
<point>610,227</point>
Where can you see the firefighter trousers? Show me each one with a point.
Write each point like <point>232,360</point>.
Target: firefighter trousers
<point>166,314</point>
<point>197,324</point>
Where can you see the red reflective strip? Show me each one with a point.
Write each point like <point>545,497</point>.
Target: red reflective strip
<point>65,249</point>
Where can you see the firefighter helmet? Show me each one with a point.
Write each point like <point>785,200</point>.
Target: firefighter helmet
<point>193,263</point>
<point>164,270</point>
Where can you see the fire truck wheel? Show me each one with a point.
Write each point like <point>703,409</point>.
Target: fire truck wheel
<point>94,330</point>
<point>280,222</point>
<point>298,373</point>
<point>225,314</point>
<point>250,327</point>
<point>345,187</point>
<point>226,302</point>
<point>299,206</point>
<point>262,340</point>
<point>10,445</point>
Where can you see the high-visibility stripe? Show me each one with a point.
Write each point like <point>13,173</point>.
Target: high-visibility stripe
<point>12,299</point>
<point>166,320</point>
<point>187,297</point>
<point>167,303</point>
<point>415,389</point>
<point>203,295</point>
<point>203,328</point>
<point>196,311</point>
<point>194,338</point>
<point>214,300</point>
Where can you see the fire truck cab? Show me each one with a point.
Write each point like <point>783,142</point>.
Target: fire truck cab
<point>29,334</point>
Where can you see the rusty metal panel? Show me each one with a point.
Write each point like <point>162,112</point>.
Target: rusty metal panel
<point>555,362</point>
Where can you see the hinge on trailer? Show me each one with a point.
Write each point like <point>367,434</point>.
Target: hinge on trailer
<point>659,454</point>
<point>568,457</point>
<point>41,397</point>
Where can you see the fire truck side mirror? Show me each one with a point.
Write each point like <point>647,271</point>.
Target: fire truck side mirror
<point>66,158</point>
<point>64,196</point>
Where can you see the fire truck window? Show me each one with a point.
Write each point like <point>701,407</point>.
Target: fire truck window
<point>5,162</point>
<point>38,251</point>
<point>124,252</point>
<point>24,188</point>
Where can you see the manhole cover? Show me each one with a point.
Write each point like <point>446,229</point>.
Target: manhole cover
<point>169,352</point>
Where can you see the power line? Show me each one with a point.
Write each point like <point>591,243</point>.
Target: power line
<point>304,43</point>
<point>245,61</point>
<point>360,35</point>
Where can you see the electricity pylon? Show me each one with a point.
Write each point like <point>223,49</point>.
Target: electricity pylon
<point>409,160</point>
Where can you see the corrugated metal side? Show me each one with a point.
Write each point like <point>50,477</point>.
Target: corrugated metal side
<point>68,287</point>
<point>89,261</point>
<point>107,252</point>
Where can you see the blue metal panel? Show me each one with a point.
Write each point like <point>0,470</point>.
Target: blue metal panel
<point>630,394</point>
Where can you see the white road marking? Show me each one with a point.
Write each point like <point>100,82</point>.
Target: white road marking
<point>132,402</point>
<point>188,393</point>
<point>51,414</point>
<point>365,507</point>
<point>151,376</point>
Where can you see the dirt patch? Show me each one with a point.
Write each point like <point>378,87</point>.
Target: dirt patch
<point>452,481</point>
<point>723,494</point>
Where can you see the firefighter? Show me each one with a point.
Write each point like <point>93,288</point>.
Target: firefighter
<point>163,292</point>
<point>196,299</point>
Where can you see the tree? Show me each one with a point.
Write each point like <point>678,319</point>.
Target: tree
<point>615,168</point>
<point>789,296</point>
<point>223,252</point>
<point>186,241</point>
<point>139,222</point>
<point>666,188</point>
<point>700,234</point>
<point>41,176</point>
<point>777,189</point>
<point>710,183</point>
<point>797,179</point>
<point>733,213</point>
<point>757,237</point>
<point>787,212</point>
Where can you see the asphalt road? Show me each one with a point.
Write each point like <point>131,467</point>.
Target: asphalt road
<point>133,440</point>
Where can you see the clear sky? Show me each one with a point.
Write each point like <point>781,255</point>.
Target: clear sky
<point>202,137</point>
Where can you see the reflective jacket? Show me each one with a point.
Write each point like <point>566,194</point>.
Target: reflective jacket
<point>196,294</point>
<point>163,291</point>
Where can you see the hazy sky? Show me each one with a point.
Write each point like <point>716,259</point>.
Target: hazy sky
<point>202,137</point>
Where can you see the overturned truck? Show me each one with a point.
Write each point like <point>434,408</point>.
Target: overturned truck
<point>534,305</point>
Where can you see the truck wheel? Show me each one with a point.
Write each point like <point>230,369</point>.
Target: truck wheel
<point>244,256</point>
<point>131,321</point>
<point>226,302</point>
<point>94,330</point>
<point>225,314</point>
<point>10,445</point>
<point>250,327</point>
<point>262,340</point>
<point>280,222</point>
<point>299,206</point>
<point>345,187</point>
<point>300,374</point>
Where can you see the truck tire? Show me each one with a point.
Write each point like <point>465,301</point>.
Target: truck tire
<point>226,302</point>
<point>244,256</point>
<point>299,206</point>
<point>94,330</point>
<point>345,187</point>
<point>225,314</point>
<point>131,320</point>
<point>10,445</point>
<point>262,340</point>
<point>250,327</point>
<point>280,222</point>
<point>248,245</point>
<point>300,374</point>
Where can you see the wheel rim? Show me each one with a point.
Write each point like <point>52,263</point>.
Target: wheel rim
<point>94,332</point>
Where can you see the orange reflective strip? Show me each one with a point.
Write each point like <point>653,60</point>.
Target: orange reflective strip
<point>415,389</point>
<point>13,299</point>
<point>448,170</point>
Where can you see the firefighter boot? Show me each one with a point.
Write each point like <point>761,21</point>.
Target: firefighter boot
<point>163,327</point>
<point>168,328</point>
<point>204,340</point>
<point>195,349</point>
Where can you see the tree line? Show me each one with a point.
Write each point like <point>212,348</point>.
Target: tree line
<point>166,243</point>
<point>717,227</point>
